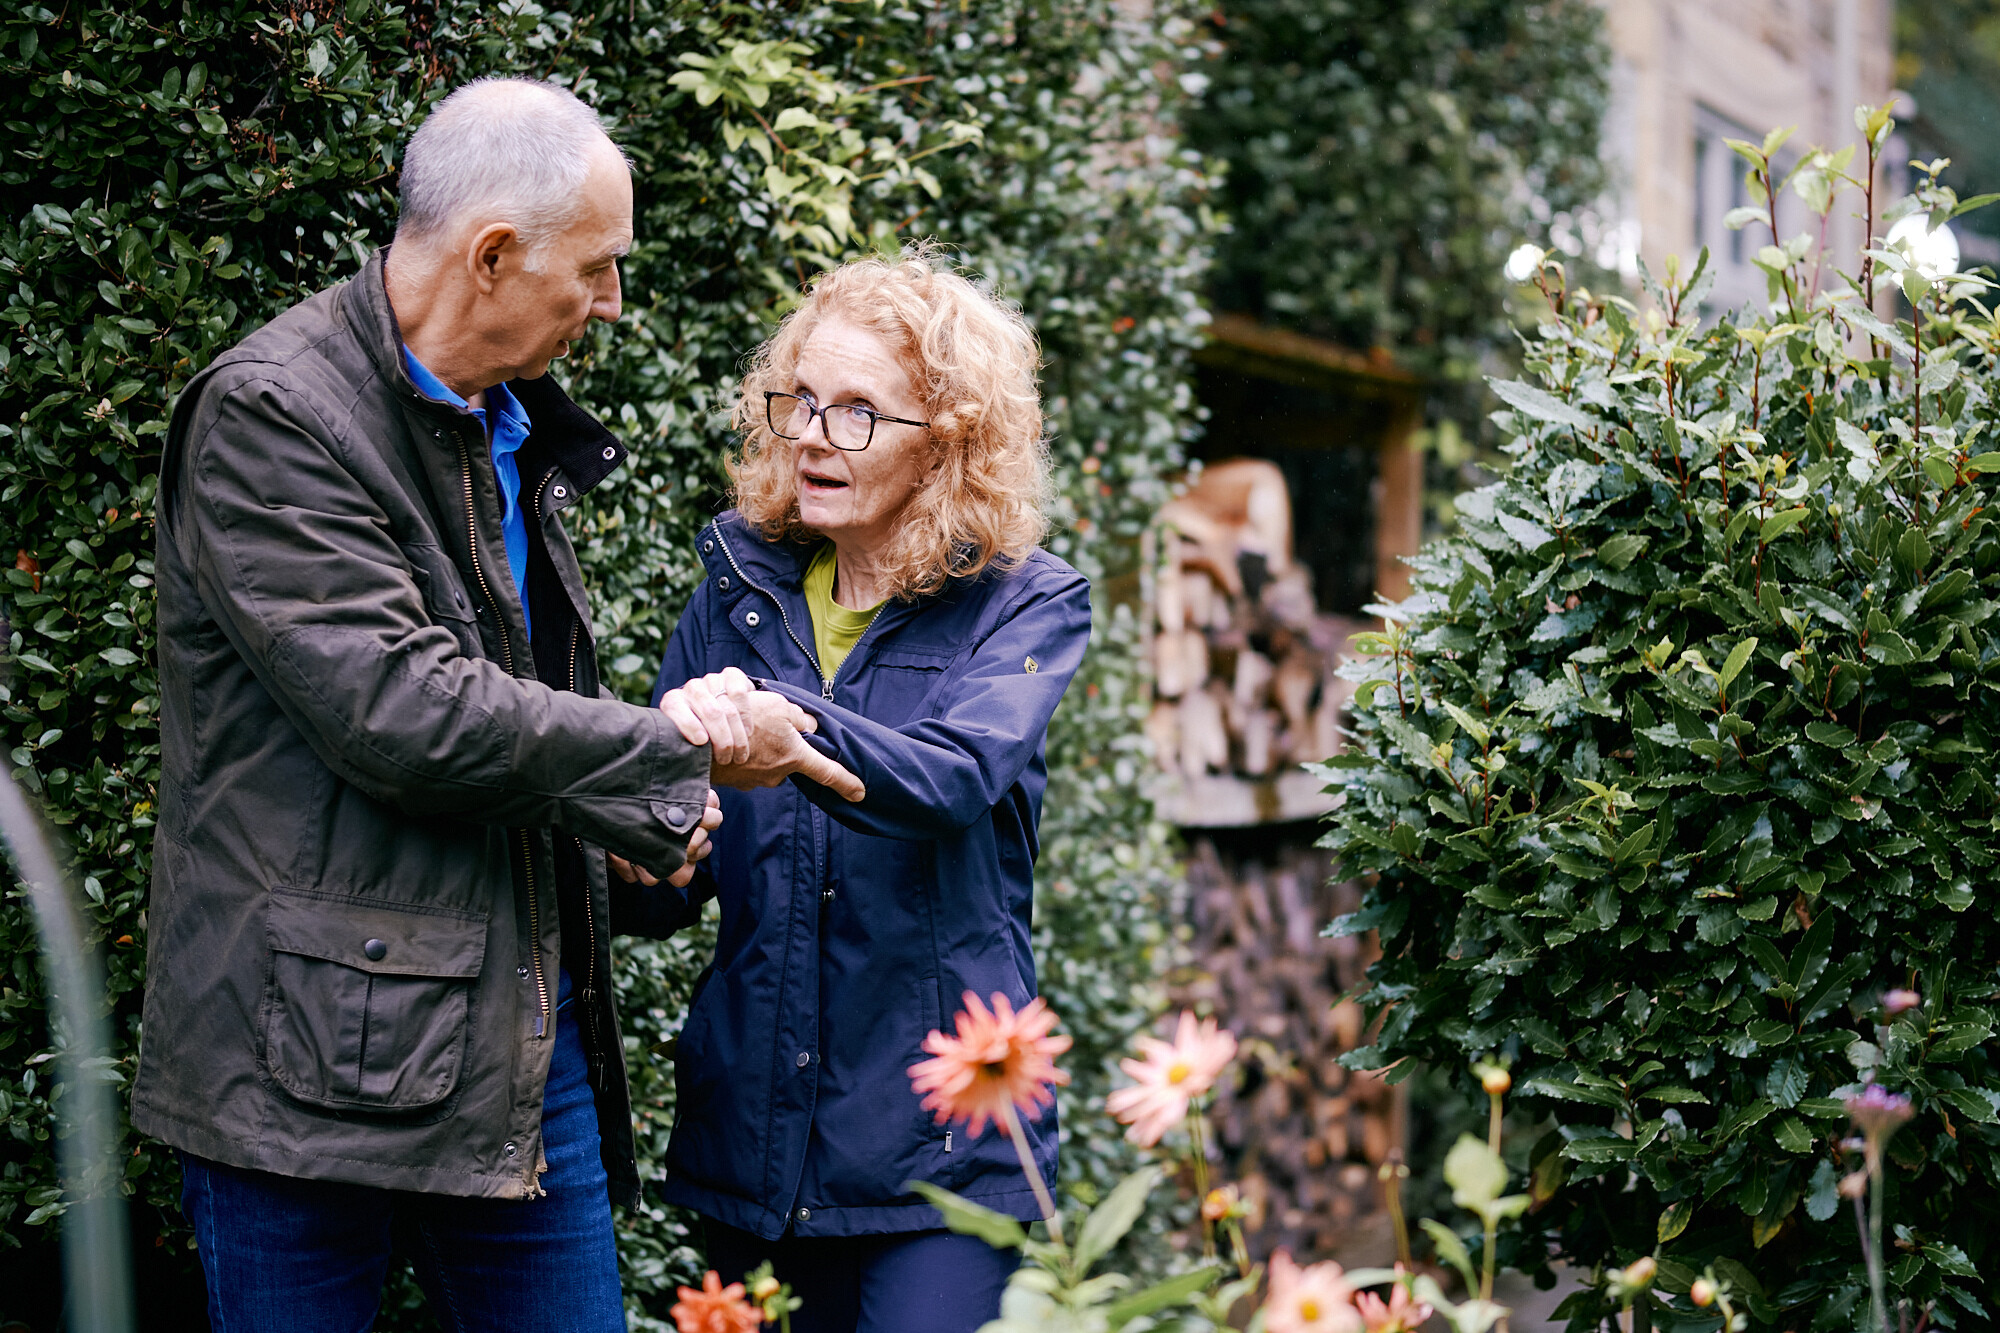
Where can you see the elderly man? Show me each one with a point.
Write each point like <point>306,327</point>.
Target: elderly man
<point>377,1013</point>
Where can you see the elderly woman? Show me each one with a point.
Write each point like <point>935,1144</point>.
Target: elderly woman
<point>882,570</point>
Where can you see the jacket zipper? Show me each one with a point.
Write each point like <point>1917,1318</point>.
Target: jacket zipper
<point>592,1048</point>
<point>507,660</point>
<point>586,998</point>
<point>825,681</point>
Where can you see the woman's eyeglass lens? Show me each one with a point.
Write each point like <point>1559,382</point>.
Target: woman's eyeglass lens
<point>848,426</point>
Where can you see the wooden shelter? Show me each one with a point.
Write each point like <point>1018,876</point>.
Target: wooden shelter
<point>1310,495</point>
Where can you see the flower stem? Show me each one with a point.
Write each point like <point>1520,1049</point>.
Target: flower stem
<point>1198,1144</point>
<point>1392,1174</point>
<point>1241,1250</point>
<point>1012,1124</point>
<point>1874,1248</point>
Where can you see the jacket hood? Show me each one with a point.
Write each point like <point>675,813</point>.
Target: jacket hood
<point>761,560</point>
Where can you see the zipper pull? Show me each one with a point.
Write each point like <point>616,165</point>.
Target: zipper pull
<point>826,690</point>
<point>947,1140</point>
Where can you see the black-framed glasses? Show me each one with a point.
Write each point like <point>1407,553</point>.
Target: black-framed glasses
<point>847,426</point>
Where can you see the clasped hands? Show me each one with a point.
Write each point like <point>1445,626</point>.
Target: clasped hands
<point>757,739</point>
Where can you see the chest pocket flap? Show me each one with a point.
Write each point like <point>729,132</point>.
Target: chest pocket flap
<point>901,682</point>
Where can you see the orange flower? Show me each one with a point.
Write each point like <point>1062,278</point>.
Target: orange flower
<point>1171,1075</point>
<point>1222,1203</point>
<point>999,1058</point>
<point>1313,1299</point>
<point>1402,1313</point>
<point>716,1309</point>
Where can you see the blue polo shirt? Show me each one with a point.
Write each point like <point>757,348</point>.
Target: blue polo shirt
<point>506,424</point>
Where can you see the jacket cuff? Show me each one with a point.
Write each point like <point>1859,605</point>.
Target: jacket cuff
<point>680,784</point>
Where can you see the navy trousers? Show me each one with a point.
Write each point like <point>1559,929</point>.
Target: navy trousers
<point>309,1256</point>
<point>911,1282</point>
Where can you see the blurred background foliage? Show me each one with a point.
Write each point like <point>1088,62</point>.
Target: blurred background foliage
<point>177,174</point>
<point>1948,60</point>
<point>1384,156</point>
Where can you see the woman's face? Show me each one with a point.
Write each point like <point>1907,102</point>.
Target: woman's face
<point>856,498</point>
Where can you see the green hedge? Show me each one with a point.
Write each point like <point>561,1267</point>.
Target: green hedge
<point>1679,757</point>
<point>180,173</point>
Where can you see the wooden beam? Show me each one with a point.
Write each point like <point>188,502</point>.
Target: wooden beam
<point>1240,343</point>
<point>1399,505</point>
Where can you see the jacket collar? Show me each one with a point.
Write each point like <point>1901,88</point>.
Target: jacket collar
<point>730,539</point>
<point>730,545</point>
<point>569,437</point>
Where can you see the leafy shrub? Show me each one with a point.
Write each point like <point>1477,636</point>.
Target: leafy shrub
<point>1680,756</point>
<point>177,174</point>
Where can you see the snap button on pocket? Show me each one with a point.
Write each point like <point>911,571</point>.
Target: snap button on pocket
<point>610,453</point>
<point>753,620</point>
<point>707,547</point>
<point>723,583</point>
<point>805,1058</point>
<point>805,1214</point>
<point>677,818</point>
<point>560,492</point>
<point>509,1149</point>
<point>375,949</point>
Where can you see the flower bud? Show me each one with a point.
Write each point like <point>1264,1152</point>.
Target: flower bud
<point>1703,1292</point>
<point>1854,1186</point>
<point>1900,1001</point>
<point>764,1288</point>
<point>1495,1080</point>
<point>1640,1273</point>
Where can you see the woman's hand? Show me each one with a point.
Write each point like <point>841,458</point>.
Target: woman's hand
<point>698,849</point>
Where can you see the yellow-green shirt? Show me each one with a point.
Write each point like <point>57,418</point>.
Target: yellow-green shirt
<point>835,628</point>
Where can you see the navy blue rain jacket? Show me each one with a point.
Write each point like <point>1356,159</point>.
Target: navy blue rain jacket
<point>849,931</point>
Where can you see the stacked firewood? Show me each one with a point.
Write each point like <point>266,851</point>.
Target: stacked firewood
<point>1243,661</point>
<point>1300,1135</point>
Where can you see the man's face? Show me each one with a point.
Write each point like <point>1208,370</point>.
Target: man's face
<point>528,318</point>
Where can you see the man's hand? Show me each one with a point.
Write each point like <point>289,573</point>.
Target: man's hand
<point>758,736</point>
<point>698,849</point>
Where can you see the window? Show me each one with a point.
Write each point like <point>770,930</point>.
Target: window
<point>1719,186</point>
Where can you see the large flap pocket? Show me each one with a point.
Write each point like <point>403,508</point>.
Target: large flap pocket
<point>368,1004</point>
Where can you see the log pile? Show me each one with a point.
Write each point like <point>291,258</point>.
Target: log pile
<point>1246,690</point>
<point>1300,1135</point>
<point>1243,661</point>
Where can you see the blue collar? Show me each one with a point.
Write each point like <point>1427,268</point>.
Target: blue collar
<point>499,398</point>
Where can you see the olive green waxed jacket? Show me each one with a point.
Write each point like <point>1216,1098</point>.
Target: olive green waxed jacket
<point>382,808</point>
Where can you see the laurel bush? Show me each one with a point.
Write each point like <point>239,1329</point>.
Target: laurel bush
<point>1681,755</point>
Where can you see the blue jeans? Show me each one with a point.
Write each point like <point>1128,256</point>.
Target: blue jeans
<point>309,1256</point>
<point>910,1282</point>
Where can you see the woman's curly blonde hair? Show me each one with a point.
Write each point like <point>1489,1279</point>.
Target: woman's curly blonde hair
<point>972,361</point>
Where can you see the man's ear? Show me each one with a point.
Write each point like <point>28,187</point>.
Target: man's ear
<point>490,252</point>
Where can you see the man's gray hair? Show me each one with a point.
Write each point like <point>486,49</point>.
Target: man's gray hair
<point>498,150</point>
